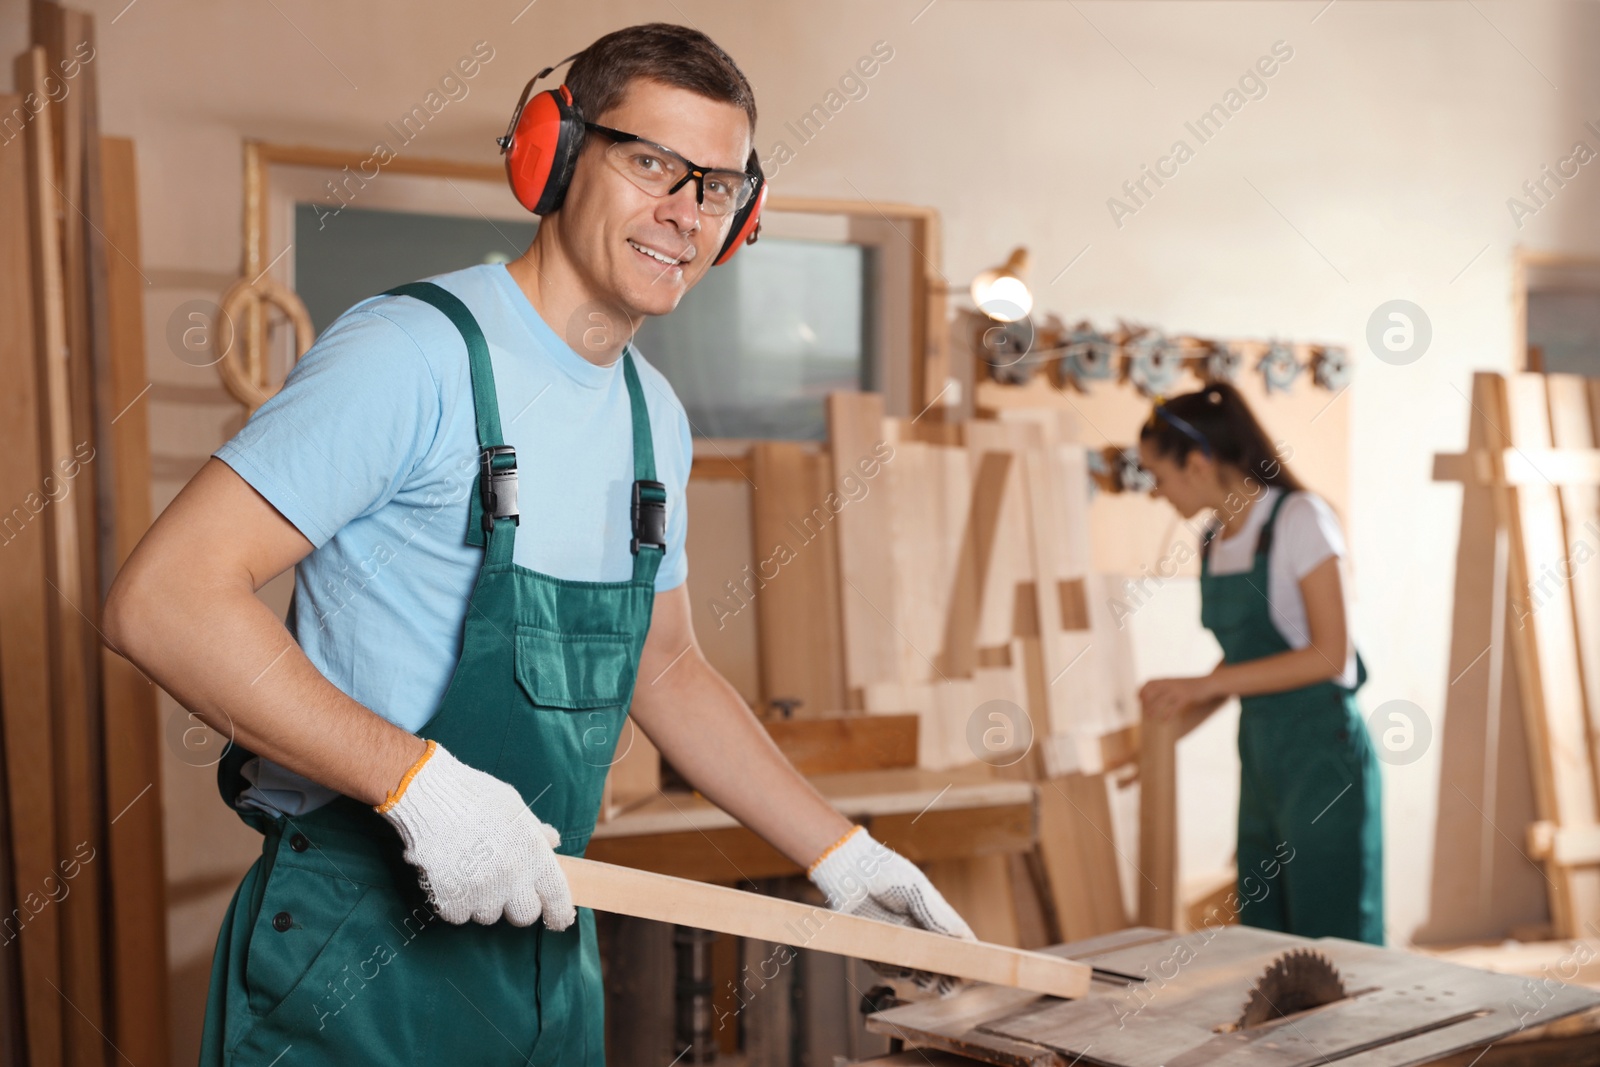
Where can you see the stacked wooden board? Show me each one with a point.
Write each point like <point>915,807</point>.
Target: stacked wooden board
<point>965,579</point>
<point>965,597</point>
<point>1532,443</point>
<point>938,570</point>
<point>83,893</point>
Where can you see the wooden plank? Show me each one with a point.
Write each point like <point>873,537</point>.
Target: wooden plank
<point>730,854</point>
<point>1571,426</point>
<point>956,1026</point>
<point>1076,754</point>
<point>644,895</point>
<point>1079,856</point>
<point>721,468</point>
<point>1573,846</point>
<point>794,516</point>
<point>1030,895</point>
<point>957,833</point>
<point>946,709</point>
<point>1001,545</point>
<point>1044,525</point>
<point>957,540</point>
<point>1087,684</point>
<point>81,800</point>
<point>77,781</point>
<point>1544,641</point>
<point>871,646</point>
<point>980,890</point>
<point>1158,823</point>
<point>1485,777</point>
<point>1563,467</point>
<point>840,743</point>
<point>721,603</point>
<point>25,686</point>
<point>133,757</point>
<point>914,550</point>
<point>67,33</point>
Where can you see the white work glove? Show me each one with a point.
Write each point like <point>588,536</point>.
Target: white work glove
<point>861,876</point>
<point>479,850</point>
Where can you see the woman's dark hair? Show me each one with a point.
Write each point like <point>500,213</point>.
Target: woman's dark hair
<point>660,52</point>
<point>1217,422</point>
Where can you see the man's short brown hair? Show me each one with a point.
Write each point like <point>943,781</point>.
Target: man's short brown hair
<point>662,52</point>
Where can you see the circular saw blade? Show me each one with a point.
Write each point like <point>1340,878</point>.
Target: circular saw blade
<point>1294,982</point>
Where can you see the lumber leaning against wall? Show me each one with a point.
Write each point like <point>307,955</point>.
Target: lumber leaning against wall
<point>81,740</point>
<point>25,683</point>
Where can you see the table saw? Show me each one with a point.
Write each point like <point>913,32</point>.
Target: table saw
<point>1238,997</point>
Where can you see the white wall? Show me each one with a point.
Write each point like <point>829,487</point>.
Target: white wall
<point>1377,166</point>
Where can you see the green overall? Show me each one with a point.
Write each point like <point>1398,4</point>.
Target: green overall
<point>329,948</point>
<point>1310,814</point>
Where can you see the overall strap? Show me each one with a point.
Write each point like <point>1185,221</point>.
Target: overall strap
<point>1264,540</point>
<point>649,503</point>
<point>497,461</point>
<point>1213,527</point>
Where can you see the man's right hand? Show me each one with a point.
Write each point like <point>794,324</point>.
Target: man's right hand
<point>480,851</point>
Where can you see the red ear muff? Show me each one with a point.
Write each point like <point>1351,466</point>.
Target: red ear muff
<point>745,225</point>
<point>542,149</point>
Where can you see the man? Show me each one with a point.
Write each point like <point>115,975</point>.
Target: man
<point>480,485</point>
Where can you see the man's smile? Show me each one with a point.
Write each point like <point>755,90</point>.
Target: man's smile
<point>665,258</point>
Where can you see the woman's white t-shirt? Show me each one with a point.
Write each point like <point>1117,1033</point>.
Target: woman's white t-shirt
<point>1306,534</point>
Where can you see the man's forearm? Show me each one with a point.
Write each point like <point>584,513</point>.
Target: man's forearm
<point>704,729</point>
<point>225,656</point>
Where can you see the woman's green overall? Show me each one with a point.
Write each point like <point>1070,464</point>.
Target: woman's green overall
<point>1310,811</point>
<point>329,953</point>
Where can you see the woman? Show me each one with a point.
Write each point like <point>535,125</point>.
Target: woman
<point>1310,836</point>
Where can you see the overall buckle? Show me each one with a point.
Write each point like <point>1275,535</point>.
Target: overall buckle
<point>498,487</point>
<point>649,515</point>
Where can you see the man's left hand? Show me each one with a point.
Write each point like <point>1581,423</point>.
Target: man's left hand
<point>861,876</point>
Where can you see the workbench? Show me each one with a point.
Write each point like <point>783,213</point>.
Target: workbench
<point>963,813</point>
<point>928,816</point>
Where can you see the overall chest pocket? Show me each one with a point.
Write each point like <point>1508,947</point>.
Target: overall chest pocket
<point>577,688</point>
<point>574,672</point>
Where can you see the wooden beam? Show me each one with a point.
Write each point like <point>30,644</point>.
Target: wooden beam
<point>25,697</point>
<point>1572,427</point>
<point>1079,858</point>
<point>1573,466</point>
<point>1078,754</point>
<point>1544,639</point>
<point>132,728</point>
<point>644,895</point>
<point>1565,847</point>
<point>837,744</point>
<point>794,511</point>
<point>867,592</point>
<point>78,789</point>
<point>721,468</point>
<point>1158,823</point>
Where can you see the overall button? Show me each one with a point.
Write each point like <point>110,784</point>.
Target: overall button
<point>299,842</point>
<point>282,921</point>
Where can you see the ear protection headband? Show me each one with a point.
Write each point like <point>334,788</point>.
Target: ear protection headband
<point>541,148</point>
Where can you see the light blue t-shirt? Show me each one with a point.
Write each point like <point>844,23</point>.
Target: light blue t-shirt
<point>371,451</point>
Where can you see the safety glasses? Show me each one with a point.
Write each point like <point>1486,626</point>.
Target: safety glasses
<point>660,171</point>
